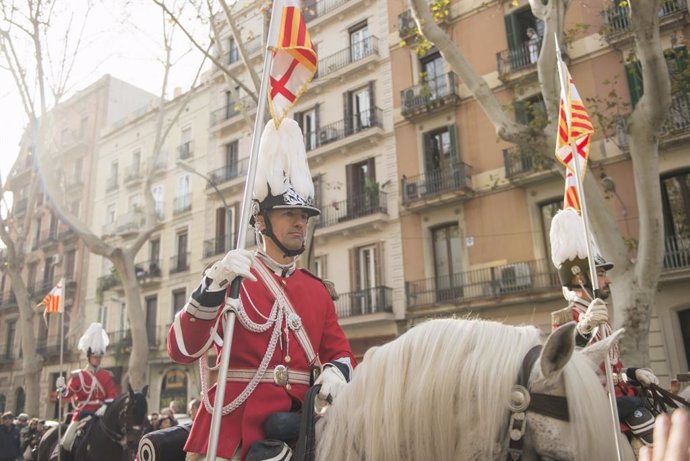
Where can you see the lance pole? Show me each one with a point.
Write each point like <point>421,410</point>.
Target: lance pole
<point>565,87</point>
<point>62,355</point>
<point>245,212</point>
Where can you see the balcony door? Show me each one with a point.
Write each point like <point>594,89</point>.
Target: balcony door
<point>181,259</point>
<point>359,42</point>
<point>361,109</point>
<point>231,160</point>
<point>447,262</point>
<point>362,189</point>
<point>433,77</point>
<point>151,318</point>
<point>366,278</point>
<point>441,161</point>
<point>675,200</point>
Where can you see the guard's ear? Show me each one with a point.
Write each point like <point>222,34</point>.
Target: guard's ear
<point>598,351</point>
<point>558,349</point>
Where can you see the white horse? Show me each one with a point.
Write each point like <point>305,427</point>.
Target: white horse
<point>442,391</point>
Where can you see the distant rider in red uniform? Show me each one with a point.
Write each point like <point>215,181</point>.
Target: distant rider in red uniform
<point>286,324</point>
<point>91,387</point>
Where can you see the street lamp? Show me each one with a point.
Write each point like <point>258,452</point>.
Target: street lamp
<point>187,167</point>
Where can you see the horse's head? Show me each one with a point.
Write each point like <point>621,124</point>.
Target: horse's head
<point>134,417</point>
<point>577,425</point>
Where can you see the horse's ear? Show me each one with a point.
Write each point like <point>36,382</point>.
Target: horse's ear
<point>129,388</point>
<point>145,390</point>
<point>597,352</point>
<point>558,349</point>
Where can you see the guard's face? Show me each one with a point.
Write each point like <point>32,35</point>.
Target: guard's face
<point>604,282</point>
<point>95,361</point>
<point>289,226</point>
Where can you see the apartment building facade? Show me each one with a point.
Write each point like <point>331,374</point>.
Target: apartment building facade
<point>53,250</point>
<point>475,211</point>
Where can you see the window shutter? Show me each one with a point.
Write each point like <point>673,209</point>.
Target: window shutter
<point>354,269</point>
<point>372,104</point>
<point>347,112</point>
<point>454,146</point>
<point>317,118</point>
<point>236,214</point>
<point>349,179</point>
<point>379,265</point>
<point>220,223</point>
<point>299,118</point>
<point>512,31</point>
<point>633,71</point>
<point>429,165</point>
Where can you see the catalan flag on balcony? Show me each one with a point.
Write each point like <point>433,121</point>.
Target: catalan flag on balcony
<point>54,301</point>
<point>294,59</point>
<point>574,125</point>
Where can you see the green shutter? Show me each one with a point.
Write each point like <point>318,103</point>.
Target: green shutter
<point>512,31</point>
<point>453,134</point>
<point>633,72</point>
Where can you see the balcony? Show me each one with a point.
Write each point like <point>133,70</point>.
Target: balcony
<point>232,57</point>
<point>429,95</point>
<point>148,271</point>
<point>516,59</point>
<point>185,150</point>
<point>218,246</point>
<point>66,234</point>
<point>9,300</point>
<point>363,302</point>
<point>49,240</point>
<point>521,278</point>
<point>520,162</point>
<point>129,222</point>
<point>50,346</point>
<point>227,173</point>
<point>182,204</point>
<point>617,18</point>
<point>72,140</point>
<point>676,252</point>
<point>437,186</point>
<point>179,263</point>
<point>111,184</point>
<point>407,27</point>
<point>317,12</point>
<point>73,183</point>
<point>7,357</point>
<point>360,206</point>
<point>332,138</point>
<point>357,52</point>
<point>677,124</point>
<point>230,113</point>
<point>134,175</point>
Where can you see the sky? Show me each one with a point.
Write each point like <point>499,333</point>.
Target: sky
<point>121,38</point>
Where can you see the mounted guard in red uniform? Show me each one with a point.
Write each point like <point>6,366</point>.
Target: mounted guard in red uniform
<point>288,331</point>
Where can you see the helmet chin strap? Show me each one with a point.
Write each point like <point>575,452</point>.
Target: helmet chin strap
<point>268,232</point>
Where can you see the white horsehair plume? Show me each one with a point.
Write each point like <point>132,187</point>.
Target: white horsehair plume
<point>95,338</point>
<point>567,237</point>
<point>282,161</point>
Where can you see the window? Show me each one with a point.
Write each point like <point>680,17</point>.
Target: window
<point>531,111</point>
<point>225,230</point>
<point>180,262</point>
<point>70,263</point>
<point>37,232</point>
<point>136,161</point>
<point>151,313</point>
<point>11,331</point>
<point>114,169</point>
<point>48,273</point>
<point>433,76</point>
<point>158,200</point>
<point>319,268</point>
<point>52,230</point>
<point>522,52</point>
<point>179,298</point>
<point>675,202</point>
<point>110,214</point>
<point>103,316</point>
<point>447,261</point>
<point>233,51</point>
<point>677,63</point>
<point>547,210</point>
<point>366,279</point>
<point>185,149</point>
<point>182,196</point>
<point>307,121</point>
<point>31,278</point>
<point>361,109</point>
<point>231,160</point>
<point>442,170</point>
<point>154,257</point>
<point>360,45</point>
<point>363,190</point>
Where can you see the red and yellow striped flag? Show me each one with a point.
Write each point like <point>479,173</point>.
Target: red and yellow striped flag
<point>571,199</point>
<point>574,126</point>
<point>54,301</point>
<point>294,59</point>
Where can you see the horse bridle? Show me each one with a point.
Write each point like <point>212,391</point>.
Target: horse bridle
<point>121,437</point>
<point>523,401</point>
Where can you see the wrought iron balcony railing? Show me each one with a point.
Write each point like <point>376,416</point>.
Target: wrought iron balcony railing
<point>433,91</point>
<point>363,302</point>
<point>455,178</point>
<point>232,109</point>
<point>523,160</point>
<point>677,252</point>
<point>185,150</point>
<point>359,206</point>
<point>313,9</point>
<point>50,346</point>
<point>182,203</point>
<point>515,278</point>
<point>617,18</point>
<point>218,246</point>
<point>148,270</point>
<point>343,58</point>
<point>228,172</point>
<point>111,184</point>
<point>515,59</point>
<point>357,123</point>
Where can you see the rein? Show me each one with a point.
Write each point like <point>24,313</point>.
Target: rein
<point>523,401</point>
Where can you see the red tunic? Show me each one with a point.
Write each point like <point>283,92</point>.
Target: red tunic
<point>88,389</point>
<point>312,302</point>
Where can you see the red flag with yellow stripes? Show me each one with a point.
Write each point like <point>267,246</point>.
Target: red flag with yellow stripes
<point>574,126</point>
<point>294,59</point>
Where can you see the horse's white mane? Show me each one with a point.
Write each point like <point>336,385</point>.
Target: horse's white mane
<point>441,391</point>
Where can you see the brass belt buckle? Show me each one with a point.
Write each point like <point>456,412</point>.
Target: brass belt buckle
<point>280,375</point>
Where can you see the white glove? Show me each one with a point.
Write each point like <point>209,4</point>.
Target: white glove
<point>596,314</point>
<point>331,380</point>
<point>60,385</point>
<point>236,263</point>
<point>646,377</point>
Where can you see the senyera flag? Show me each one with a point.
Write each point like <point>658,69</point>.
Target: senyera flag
<point>54,301</point>
<point>574,125</point>
<point>571,199</point>
<point>294,59</point>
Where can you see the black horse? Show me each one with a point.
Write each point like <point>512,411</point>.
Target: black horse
<point>111,437</point>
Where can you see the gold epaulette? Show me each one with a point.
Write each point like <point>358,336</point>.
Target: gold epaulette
<point>561,316</point>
